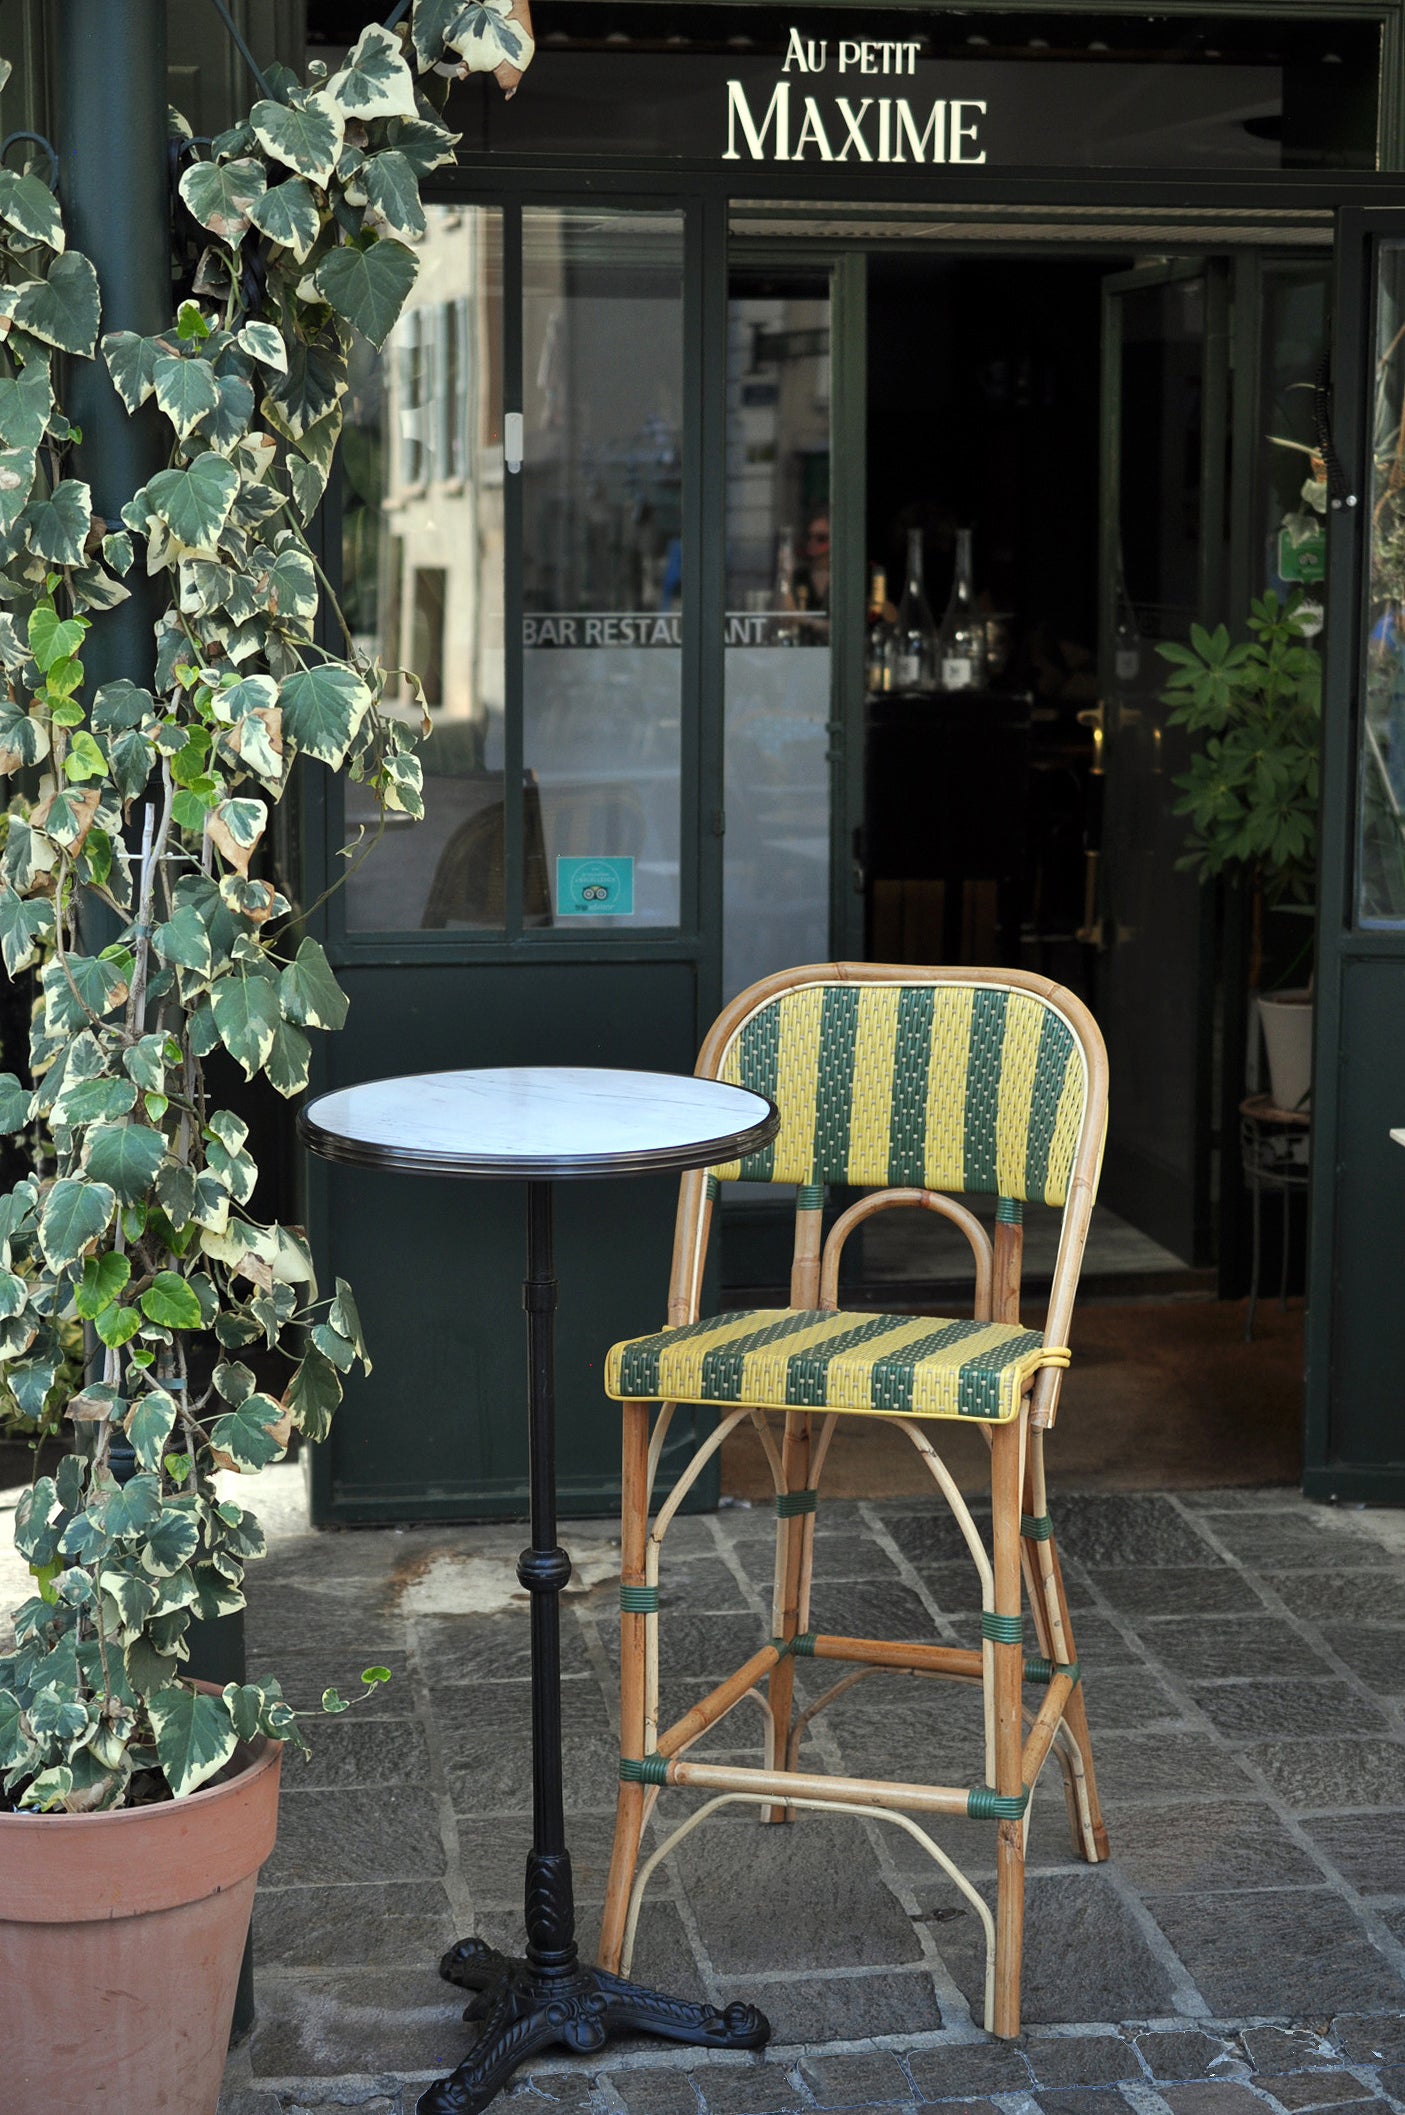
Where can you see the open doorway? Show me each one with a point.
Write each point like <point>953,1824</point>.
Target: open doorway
<point>1093,438</point>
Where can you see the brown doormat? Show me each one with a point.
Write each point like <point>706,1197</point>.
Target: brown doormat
<point>1162,1395</point>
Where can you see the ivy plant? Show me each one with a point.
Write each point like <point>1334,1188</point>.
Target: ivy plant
<point>1250,794</point>
<point>143,814</point>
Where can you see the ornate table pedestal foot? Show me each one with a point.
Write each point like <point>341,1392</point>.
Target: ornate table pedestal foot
<point>524,2010</point>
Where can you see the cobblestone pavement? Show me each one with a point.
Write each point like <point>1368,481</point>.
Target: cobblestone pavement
<point>1244,1655</point>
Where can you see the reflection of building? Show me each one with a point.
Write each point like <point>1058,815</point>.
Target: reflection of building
<point>440,560</point>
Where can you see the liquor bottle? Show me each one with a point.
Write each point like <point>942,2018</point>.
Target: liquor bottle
<point>915,645</point>
<point>878,652</point>
<point>961,641</point>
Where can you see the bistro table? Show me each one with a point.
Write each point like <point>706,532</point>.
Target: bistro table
<point>541,1124</point>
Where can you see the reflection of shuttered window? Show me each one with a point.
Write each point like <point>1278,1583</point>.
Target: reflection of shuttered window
<point>415,359</point>
<point>460,395</point>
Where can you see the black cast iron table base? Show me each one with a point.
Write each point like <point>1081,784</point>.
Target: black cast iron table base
<point>524,2010</point>
<point>550,1997</point>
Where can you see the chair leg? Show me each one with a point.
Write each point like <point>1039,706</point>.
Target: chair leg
<point>629,1811</point>
<point>1055,1630</point>
<point>792,1592</point>
<point>1008,1655</point>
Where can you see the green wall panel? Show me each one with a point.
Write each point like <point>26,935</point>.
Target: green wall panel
<point>438,1431</point>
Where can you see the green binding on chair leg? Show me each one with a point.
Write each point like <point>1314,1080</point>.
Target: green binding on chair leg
<point>1001,1630</point>
<point>809,1197</point>
<point>802,1645</point>
<point>639,1600</point>
<point>1036,1527</point>
<point>789,1503</point>
<point>1009,1211</point>
<point>1045,1670</point>
<point>984,1805</point>
<point>644,1769</point>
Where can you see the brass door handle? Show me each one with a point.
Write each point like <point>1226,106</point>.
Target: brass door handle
<point>1095,716</point>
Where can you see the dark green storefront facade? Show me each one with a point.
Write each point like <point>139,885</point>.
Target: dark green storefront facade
<point>679,242</point>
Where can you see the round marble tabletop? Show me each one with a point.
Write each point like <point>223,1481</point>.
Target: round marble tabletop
<point>536,1122</point>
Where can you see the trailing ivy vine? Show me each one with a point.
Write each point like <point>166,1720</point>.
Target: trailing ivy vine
<point>154,804</point>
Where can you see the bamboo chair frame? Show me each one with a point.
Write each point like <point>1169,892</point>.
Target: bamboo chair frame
<point>1023,1554</point>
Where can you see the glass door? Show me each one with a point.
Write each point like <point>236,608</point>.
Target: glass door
<point>1163,563</point>
<point>1355,1441</point>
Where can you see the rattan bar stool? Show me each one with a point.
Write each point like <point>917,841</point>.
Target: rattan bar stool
<point>919,1085</point>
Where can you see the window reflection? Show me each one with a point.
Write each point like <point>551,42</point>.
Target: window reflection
<point>423,576</point>
<point>602,496</point>
<point>777,664</point>
<point>1382,777</point>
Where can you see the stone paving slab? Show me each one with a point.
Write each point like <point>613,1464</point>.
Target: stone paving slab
<point>1243,1952</point>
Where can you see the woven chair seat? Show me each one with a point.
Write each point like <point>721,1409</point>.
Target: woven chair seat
<point>805,1359</point>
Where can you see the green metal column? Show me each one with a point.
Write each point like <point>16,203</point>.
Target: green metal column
<point>109,102</point>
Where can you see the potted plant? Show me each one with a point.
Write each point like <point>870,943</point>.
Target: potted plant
<point>135,1805</point>
<point>1250,794</point>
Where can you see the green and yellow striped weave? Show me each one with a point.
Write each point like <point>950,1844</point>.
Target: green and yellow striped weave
<point>948,1087</point>
<point>802,1359</point>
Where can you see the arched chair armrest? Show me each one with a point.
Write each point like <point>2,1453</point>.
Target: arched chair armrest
<point>924,1200</point>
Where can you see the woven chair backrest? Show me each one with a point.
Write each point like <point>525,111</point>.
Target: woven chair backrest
<point>968,1088</point>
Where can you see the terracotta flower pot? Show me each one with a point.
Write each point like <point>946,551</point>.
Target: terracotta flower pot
<point>120,1942</point>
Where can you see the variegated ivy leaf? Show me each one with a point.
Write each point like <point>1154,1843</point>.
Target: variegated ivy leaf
<point>306,136</point>
<point>264,342</point>
<point>193,504</point>
<point>253,1435</point>
<point>125,1156</point>
<point>131,362</point>
<point>485,37</point>
<point>290,586</point>
<point>57,526</point>
<point>185,389</point>
<point>425,145</point>
<point>30,206</point>
<point>194,1735</point>
<point>322,710</point>
<point>76,1213</point>
<point>235,828</point>
<point>431,24</point>
<point>150,1422</point>
<point>375,81</point>
<point>393,191</point>
<point>288,214</point>
<point>228,423</point>
<point>23,741</point>
<point>62,310</point>
<point>311,387</point>
<point>220,195</point>
<point>289,1060</point>
<point>310,993</point>
<point>26,402</point>
<point>309,482</point>
<point>246,1012</point>
<point>17,467</point>
<point>367,282</point>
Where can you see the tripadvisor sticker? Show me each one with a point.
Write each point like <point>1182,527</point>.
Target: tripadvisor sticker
<point>594,888</point>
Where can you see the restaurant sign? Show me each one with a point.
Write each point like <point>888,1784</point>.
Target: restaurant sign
<point>831,127</point>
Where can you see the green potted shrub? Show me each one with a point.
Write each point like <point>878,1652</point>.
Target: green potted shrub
<point>1250,794</point>
<point>135,1805</point>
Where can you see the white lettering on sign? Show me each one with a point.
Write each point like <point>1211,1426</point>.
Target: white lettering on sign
<point>881,129</point>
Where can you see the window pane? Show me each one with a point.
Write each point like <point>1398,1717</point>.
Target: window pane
<point>1382,776</point>
<point>422,563</point>
<point>602,496</point>
<point>776,850</point>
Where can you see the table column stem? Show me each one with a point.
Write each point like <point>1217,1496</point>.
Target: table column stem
<point>544,1570</point>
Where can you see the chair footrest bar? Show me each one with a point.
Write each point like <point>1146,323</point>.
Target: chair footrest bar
<point>979,1802</point>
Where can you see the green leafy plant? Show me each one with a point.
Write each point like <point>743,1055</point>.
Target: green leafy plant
<point>149,808</point>
<point>1251,792</point>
